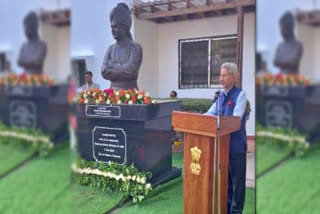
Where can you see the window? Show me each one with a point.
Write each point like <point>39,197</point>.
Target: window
<point>79,70</point>
<point>2,62</point>
<point>200,60</point>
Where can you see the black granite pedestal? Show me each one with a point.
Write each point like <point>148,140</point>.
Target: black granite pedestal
<point>42,107</point>
<point>290,107</point>
<point>126,134</point>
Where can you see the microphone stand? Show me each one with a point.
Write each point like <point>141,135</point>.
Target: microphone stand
<point>216,162</point>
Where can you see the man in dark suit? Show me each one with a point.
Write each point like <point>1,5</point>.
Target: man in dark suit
<point>232,102</point>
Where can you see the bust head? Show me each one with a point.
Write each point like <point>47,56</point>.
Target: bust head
<point>287,25</point>
<point>31,25</point>
<point>120,19</point>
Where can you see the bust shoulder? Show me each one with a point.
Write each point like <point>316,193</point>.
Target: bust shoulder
<point>135,46</point>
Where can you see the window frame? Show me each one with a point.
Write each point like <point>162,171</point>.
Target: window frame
<point>210,39</point>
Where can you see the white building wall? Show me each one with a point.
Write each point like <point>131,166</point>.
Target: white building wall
<point>57,64</point>
<point>170,33</point>
<point>146,34</point>
<point>316,55</point>
<point>305,36</point>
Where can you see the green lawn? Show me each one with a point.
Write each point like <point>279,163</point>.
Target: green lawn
<point>41,186</point>
<point>269,155</point>
<point>11,155</point>
<point>292,187</point>
<point>168,199</point>
<point>92,200</point>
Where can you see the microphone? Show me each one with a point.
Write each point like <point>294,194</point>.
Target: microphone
<point>216,96</point>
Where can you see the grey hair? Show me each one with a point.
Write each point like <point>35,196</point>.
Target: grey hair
<point>231,67</point>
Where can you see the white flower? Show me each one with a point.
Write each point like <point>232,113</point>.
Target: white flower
<point>108,101</point>
<point>153,101</point>
<point>85,95</point>
<point>143,180</point>
<point>133,178</point>
<point>117,177</point>
<point>140,97</point>
<point>119,102</point>
<point>124,179</point>
<point>148,186</point>
<point>138,179</point>
<point>97,101</point>
<point>86,101</point>
<point>121,176</point>
<point>130,102</point>
<point>129,177</point>
<point>128,96</point>
<point>117,93</point>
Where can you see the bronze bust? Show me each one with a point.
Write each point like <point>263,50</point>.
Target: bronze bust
<point>289,52</point>
<point>33,52</point>
<point>123,59</point>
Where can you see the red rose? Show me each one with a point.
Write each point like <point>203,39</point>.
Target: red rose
<point>23,76</point>
<point>108,91</point>
<point>230,103</point>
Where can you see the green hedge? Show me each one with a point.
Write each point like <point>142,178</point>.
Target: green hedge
<point>201,105</point>
<point>195,105</point>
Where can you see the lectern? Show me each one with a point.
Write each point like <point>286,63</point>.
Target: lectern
<point>206,160</point>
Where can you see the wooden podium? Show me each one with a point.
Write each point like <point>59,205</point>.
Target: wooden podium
<point>201,175</point>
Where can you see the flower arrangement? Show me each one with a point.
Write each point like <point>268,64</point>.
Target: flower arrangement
<point>26,136</point>
<point>279,79</point>
<point>283,136</point>
<point>111,96</point>
<point>113,177</point>
<point>23,79</point>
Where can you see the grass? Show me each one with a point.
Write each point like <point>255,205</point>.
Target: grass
<point>37,186</point>
<point>92,200</point>
<point>293,187</point>
<point>269,155</point>
<point>43,186</point>
<point>168,199</point>
<point>13,155</point>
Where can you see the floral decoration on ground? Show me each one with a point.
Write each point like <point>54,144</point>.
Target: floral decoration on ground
<point>113,177</point>
<point>279,79</point>
<point>24,79</point>
<point>27,137</point>
<point>296,141</point>
<point>111,96</point>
